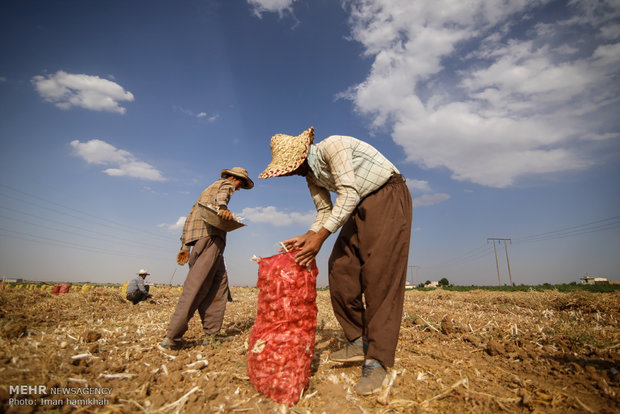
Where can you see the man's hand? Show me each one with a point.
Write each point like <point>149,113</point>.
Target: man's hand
<point>225,214</point>
<point>295,243</point>
<point>182,257</point>
<point>309,243</point>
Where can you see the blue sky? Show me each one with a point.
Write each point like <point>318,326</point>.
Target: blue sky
<point>501,114</point>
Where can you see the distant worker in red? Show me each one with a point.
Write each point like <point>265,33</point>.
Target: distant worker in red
<point>202,245</point>
<point>368,264</point>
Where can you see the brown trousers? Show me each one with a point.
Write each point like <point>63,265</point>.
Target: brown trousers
<point>369,260</point>
<point>205,289</point>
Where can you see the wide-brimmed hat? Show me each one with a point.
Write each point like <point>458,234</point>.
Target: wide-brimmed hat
<point>143,272</point>
<point>288,153</point>
<point>240,173</point>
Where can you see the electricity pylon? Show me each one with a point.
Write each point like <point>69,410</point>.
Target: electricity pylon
<point>507,258</point>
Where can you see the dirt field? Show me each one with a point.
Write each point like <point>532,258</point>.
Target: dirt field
<point>482,352</point>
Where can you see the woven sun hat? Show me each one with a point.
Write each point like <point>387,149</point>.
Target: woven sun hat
<point>288,153</point>
<point>241,174</point>
<point>143,272</point>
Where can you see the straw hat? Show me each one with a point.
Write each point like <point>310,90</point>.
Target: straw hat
<point>288,153</point>
<point>240,173</point>
<point>143,272</point>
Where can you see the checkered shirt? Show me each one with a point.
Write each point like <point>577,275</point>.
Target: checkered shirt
<point>348,167</point>
<point>217,194</point>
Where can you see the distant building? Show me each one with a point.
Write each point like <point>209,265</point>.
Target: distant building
<point>11,279</point>
<point>588,280</point>
<point>431,285</point>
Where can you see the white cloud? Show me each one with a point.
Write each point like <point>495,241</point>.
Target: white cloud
<point>430,199</point>
<point>153,191</point>
<point>273,216</point>
<point>90,92</point>
<point>418,185</point>
<point>199,115</point>
<point>602,137</point>
<point>461,89</point>
<point>121,162</point>
<point>271,6</point>
<point>174,228</point>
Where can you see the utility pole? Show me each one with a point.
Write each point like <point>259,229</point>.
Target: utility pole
<point>496,262</point>
<point>414,277</point>
<point>507,258</point>
<point>172,277</point>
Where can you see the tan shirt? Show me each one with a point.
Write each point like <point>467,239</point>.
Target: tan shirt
<point>217,195</point>
<point>349,167</point>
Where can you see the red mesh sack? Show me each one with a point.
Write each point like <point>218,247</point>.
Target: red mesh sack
<point>281,343</point>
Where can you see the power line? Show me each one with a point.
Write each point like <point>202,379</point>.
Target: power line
<point>113,239</point>
<point>112,224</point>
<point>60,243</point>
<point>605,224</point>
<point>591,227</point>
<point>73,226</point>
<point>105,237</point>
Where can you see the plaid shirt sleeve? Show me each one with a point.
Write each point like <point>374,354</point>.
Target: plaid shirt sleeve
<point>187,228</point>
<point>322,202</point>
<point>349,167</point>
<point>217,195</point>
<point>339,157</point>
<point>224,193</point>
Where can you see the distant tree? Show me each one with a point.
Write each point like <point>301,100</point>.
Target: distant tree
<point>428,282</point>
<point>444,282</point>
<point>421,286</point>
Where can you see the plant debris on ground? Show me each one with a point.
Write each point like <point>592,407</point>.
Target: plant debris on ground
<point>476,351</point>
